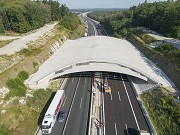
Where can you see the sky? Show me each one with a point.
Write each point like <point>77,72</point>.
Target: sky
<point>75,4</point>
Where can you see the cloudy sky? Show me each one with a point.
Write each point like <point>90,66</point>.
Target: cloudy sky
<point>73,4</point>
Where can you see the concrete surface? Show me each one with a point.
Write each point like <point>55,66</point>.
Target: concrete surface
<point>22,42</point>
<point>99,53</point>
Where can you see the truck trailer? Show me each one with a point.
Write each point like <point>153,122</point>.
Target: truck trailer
<point>52,112</point>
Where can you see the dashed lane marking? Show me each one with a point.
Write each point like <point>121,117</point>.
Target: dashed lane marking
<point>119,96</point>
<point>64,101</point>
<point>126,129</point>
<point>115,128</point>
<point>81,103</point>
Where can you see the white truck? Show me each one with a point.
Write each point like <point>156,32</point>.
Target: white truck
<point>85,34</point>
<point>52,112</point>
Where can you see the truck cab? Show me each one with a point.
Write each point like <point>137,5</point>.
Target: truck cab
<point>48,124</point>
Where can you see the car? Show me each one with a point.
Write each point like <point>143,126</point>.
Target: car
<point>61,116</point>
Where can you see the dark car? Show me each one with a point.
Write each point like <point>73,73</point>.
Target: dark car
<point>61,116</point>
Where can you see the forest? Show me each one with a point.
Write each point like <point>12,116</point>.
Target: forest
<point>163,17</point>
<point>163,110</point>
<point>24,15</point>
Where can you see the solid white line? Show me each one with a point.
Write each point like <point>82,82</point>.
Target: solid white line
<point>111,95</point>
<point>85,80</point>
<point>95,30</point>
<point>71,106</point>
<point>130,104</point>
<point>127,129</point>
<point>119,96</point>
<point>64,102</point>
<point>115,128</point>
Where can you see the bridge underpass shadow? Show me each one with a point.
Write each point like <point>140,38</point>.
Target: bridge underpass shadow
<point>131,131</point>
<point>41,116</point>
<point>78,74</point>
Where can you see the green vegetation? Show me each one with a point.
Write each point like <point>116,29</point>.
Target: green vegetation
<point>117,23</point>
<point>38,99</point>
<point>159,16</point>
<point>25,15</point>
<point>23,119</point>
<point>16,85</point>
<point>23,75</point>
<point>70,22</point>
<point>29,52</point>
<point>145,37</point>
<point>72,25</point>
<point>40,102</point>
<point>171,52</point>
<point>4,43</point>
<point>163,111</point>
<point>35,64</point>
<point>4,130</point>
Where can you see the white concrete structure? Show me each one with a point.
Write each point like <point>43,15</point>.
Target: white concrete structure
<point>97,53</point>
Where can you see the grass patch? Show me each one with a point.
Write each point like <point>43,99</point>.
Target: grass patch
<point>163,111</point>
<point>29,52</point>
<point>23,119</point>
<point>38,99</point>
<point>79,32</point>
<point>145,37</point>
<point>171,52</point>
<point>148,39</point>
<point>4,43</point>
<point>4,130</point>
<point>16,85</point>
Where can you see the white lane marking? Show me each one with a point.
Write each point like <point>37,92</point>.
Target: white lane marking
<point>81,103</point>
<point>119,96</point>
<point>85,80</point>
<point>71,107</point>
<point>127,129</point>
<point>64,101</point>
<point>130,104</point>
<point>111,95</point>
<point>73,80</point>
<point>115,128</point>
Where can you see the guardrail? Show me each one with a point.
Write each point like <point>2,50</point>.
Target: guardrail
<point>146,116</point>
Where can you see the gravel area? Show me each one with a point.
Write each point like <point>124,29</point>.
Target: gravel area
<point>22,42</point>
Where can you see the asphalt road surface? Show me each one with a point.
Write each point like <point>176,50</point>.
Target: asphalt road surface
<point>123,115</point>
<point>90,28</point>
<point>76,105</point>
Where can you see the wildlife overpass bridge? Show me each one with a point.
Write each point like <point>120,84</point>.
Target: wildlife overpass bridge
<point>96,53</point>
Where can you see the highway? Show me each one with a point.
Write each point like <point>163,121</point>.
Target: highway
<point>91,31</point>
<point>123,115</point>
<point>76,123</point>
<point>76,105</point>
<point>76,102</point>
